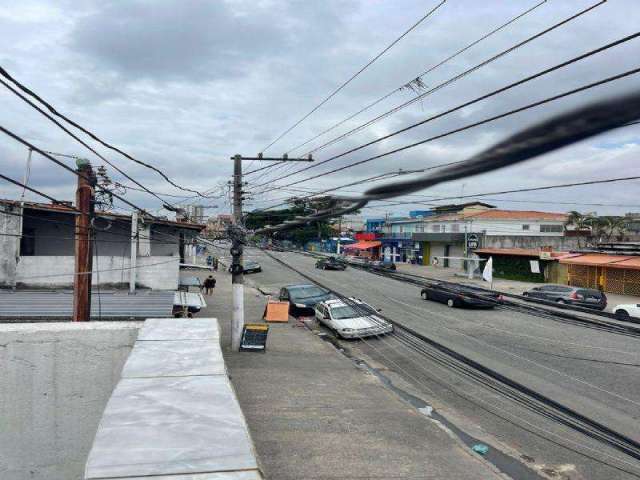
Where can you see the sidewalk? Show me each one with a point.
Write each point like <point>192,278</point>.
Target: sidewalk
<point>313,413</point>
<point>499,284</point>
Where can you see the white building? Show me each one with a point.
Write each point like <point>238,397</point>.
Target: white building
<point>444,234</point>
<point>37,247</point>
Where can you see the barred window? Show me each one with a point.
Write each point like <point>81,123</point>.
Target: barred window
<point>551,228</point>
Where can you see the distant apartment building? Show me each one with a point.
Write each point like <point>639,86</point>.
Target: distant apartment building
<point>217,226</point>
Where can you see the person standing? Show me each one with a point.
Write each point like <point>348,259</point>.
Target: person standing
<point>209,285</point>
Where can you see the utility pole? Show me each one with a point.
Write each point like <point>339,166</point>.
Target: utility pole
<point>134,253</point>
<point>83,245</point>
<point>238,240</point>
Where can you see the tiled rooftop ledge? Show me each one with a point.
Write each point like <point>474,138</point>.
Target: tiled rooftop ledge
<point>174,411</point>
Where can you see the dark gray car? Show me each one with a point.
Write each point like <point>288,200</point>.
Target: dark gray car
<point>303,297</point>
<point>582,297</point>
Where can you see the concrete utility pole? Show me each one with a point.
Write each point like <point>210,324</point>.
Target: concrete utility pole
<point>238,240</point>
<point>83,244</point>
<point>134,253</point>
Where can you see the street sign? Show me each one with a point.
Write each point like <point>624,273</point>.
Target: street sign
<point>473,241</point>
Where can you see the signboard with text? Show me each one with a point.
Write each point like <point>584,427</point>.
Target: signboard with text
<point>473,241</point>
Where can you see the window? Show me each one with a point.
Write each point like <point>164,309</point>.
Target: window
<point>525,227</point>
<point>455,227</point>
<point>551,228</point>
<point>401,229</point>
<point>435,228</point>
<point>28,242</point>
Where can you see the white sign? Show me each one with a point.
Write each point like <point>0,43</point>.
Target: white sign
<point>487,273</point>
<point>535,266</point>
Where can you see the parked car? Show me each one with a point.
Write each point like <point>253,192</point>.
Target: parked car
<point>351,319</point>
<point>250,267</point>
<point>330,263</point>
<point>565,294</point>
<point>303,297</point>
<point>383,265</point>
<point>456,296</point>
<point>626,311</point>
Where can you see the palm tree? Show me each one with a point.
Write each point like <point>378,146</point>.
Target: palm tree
<point>579,222</point>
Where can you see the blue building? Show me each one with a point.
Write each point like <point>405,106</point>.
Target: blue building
<point>374,225</point>
<point>421,213</point>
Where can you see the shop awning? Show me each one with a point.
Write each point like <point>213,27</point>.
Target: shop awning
<point>599,260</point>
<point>362,245</point>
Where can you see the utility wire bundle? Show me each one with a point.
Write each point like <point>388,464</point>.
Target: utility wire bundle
<point>560,131</point>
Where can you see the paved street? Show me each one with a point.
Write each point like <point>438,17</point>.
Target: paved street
<point>590,371</point>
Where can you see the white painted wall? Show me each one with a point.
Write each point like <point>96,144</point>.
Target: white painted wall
<point>157,273</point>
<point>55,381</point>
<point>499,228</point>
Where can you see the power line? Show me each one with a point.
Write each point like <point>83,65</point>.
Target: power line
<point>470,102</point>
<point>31,93</point>
<point>344,84</point>
<point>75,137</point>
<point>26,187</point>
<point>429,70</point>
<point>455,78</point>
<point>531,189</point>
<point>559,131</point>
<point>58,162</point>
<point>475,124</point>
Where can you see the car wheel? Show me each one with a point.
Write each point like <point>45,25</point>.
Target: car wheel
<point>525,294</point>
<point>561,301</point>
<point>622,315</point>
<point>451,303</point>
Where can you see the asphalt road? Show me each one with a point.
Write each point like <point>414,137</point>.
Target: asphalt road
<point>594,373</point>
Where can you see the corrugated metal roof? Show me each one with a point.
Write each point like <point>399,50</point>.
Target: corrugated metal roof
<point>596,260</point>
<point>59,304</point>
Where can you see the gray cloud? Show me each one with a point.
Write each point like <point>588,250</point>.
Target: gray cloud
<point>186,84</point>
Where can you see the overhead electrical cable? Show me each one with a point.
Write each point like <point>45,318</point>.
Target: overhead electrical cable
<point>66,167</point>
<point>475,124</point>
<point>26,187</point>
<point>353,77</point>
<point>470,102</point>
<point>557,132</point>
<point>78,139</point>
<point>49,107</point>
<point>429,70</point>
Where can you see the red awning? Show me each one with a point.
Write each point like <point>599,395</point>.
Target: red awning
<point>597,260</point>
<point>362,245</point>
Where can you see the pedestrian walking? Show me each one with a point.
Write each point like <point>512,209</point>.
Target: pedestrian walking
<point>209,285</point>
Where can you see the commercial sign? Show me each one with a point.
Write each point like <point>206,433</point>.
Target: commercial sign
<point>473,241</point>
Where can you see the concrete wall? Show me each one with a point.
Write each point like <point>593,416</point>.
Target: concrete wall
<point>9,245</point>
<point>157,273</point>
<point>510,241</point>
<point>55,381</point>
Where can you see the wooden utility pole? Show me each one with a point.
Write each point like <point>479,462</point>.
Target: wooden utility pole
<point>83,243</point>
<point>238,240</point>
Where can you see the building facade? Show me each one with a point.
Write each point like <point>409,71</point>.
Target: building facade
<point>37,247</point>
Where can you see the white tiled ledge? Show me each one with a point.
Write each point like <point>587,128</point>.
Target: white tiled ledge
<point>174,414</point>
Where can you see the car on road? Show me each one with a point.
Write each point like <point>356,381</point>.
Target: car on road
<point>627,311</point>
<point>330,263</point>
<point>250,267</point>
<point>568,295</point>
<point>303,297</point>
<point>351,318</point>
<point>382,265</point>
<point>457,296</point>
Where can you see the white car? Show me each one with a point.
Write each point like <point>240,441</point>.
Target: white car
<point>627,310</point>
<point>352,319</point>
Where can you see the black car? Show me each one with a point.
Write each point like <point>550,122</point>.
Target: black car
<point>303,297</point>
<point>565,294</point>
<point>330,263</point>
<point>250,267</point>
<point>455,296</point>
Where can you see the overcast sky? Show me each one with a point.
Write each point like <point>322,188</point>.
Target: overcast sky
<point>185,84</point>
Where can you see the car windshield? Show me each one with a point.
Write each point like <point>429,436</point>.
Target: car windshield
<point>250,264</point>
<point>307,292</point>
<point>345,311</point>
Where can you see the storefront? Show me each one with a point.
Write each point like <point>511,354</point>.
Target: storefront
<point>438,248</point>
<point>403,250</point>
<point>610,273</point>
<point>367,249</point>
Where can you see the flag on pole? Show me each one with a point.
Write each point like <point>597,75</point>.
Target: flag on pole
<point>487,273</point>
